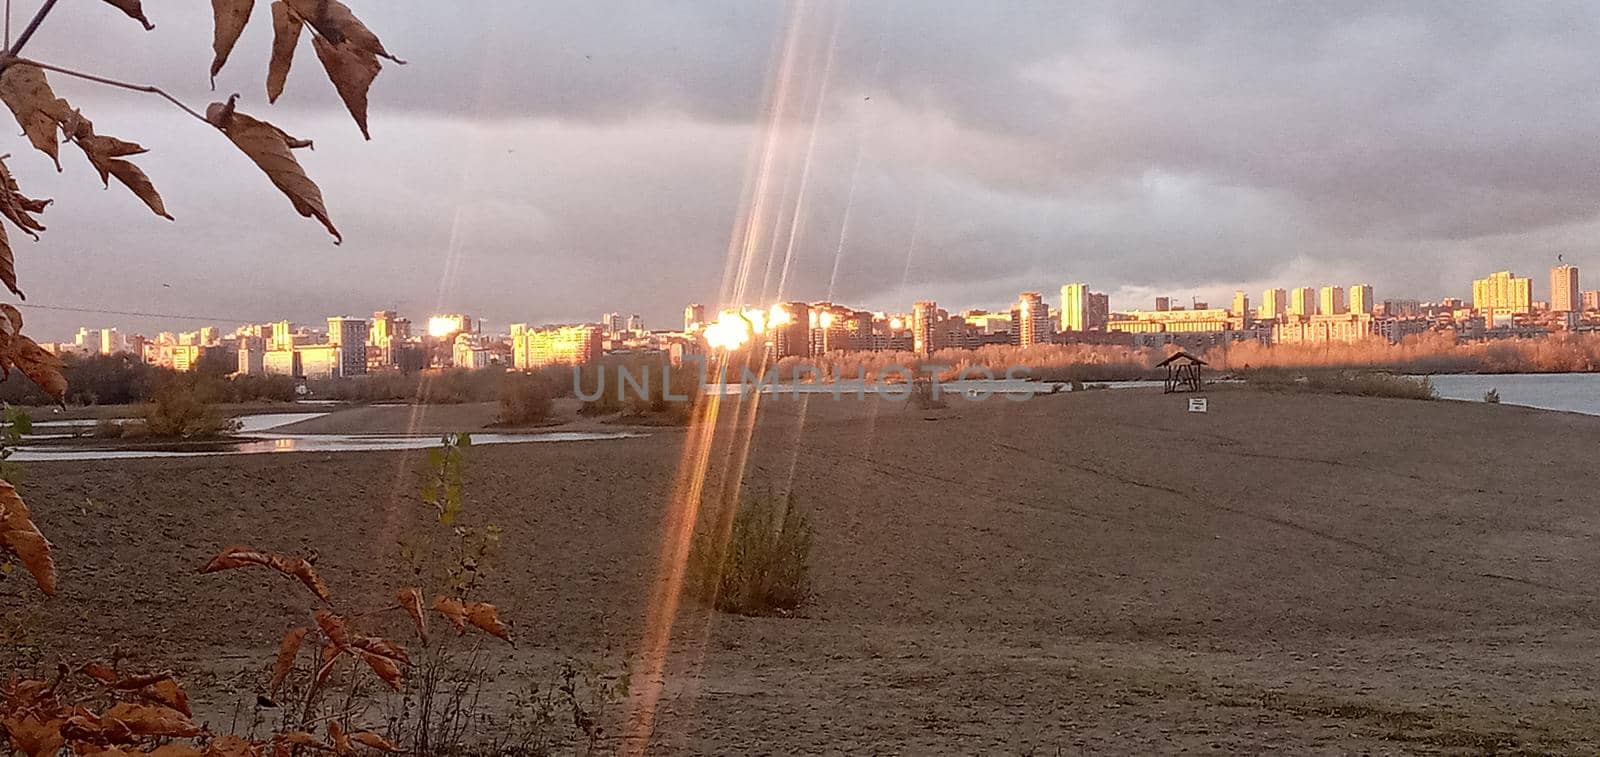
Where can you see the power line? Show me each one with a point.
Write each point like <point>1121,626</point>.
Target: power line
<point>141,314</point>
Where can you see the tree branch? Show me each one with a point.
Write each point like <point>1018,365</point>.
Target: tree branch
<point>14,49</point>
<point>113,83</point>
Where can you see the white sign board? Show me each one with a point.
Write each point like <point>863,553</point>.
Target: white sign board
<point>1197,404</point>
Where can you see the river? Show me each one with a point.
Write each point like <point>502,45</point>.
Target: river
<point>1569,392</point>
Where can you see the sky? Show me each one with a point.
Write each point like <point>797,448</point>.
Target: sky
<point>548,162</point>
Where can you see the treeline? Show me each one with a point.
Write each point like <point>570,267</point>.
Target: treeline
<point>124,379</point>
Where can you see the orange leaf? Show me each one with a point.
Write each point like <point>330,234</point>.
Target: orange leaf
<point>452,610</point>
<point>373,741</point>
<point>25,90</point>
<point>34,734</point>
<point>341,744</point>
<point>152,720</point>
<point>39,365</point>
<point>169,693</point>
<point>99,672</point>
<point>286,654</point>
<point>411,600</point>
<point>487,619</point>
<point>270,148</point>
<point>19,536</point>
<point>294,567</point>
<point>106,155</point>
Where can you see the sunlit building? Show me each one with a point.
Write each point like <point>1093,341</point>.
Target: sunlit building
<point>1330,301</point>
<point>1303,302</point>
<point>1564,294</point>
<point>559,345</point>
<point>1591,300</point>
<point>1323,329</point>
<point>110,341</point>
<point>789,329</point>
<point>924,321</point>
<point>1361,298</point>
<point>1075,307</point>
<point>1274,305</point>
<point>1502,295</point>
<point>448,325</point>
<point>350,336</point>
<point>1156,321</point>
<point>1030,319</point>
<point>1241,305</point>
<point>694,316</point>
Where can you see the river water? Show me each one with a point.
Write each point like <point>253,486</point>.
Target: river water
<point>1569,392</point>
<point>267,441</point>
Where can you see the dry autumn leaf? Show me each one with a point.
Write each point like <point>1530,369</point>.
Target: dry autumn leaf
<point>270,149</point>
<point>228,18</point>
<point>35,734</point>
<point>38,364</point>
<point>17,207</point>
<point>152,720</point>
<point>106,155</point>
<point>167,692</point>
<point>452,610</point>
<point>334,21</point>
<point>26,91</point>
<point>336,737</point>
<point>135,11</point>
<point>411,600</point>
<point>291,739</point>
<point>294,567</point>
<point>286,28</point>
<point>372,740</point>
<point>487,619</point>
<point>21,537</point>
<point>287,650</point>
<point>383,656</point>
<point>351,70</point>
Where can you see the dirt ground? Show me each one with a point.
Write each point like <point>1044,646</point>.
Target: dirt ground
<point>1094,572</point>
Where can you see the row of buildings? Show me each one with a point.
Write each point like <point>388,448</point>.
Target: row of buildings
<point>1502,305</point>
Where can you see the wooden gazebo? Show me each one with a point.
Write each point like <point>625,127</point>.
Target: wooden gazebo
<point>1183,372</point>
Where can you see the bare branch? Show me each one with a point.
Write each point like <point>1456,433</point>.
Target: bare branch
<point>114,83</point>
<point>8,23</point>
<point>15,49</point>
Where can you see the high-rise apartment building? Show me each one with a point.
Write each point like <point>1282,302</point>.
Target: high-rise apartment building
<point>924,323</point>
<point>1075,307</point>
<point>1591,300</point>
<point>694,316</point>
<point>350,335</point>
<point>110,341</point>
<point>1303,302</point>
<point>1330,301</point>
<point>1502,294</point>
<point>635,324</point>
<point>1099,311</point>
<point>1564,294</point>
<point>1241,304</point>
<point>563,345</point>
<point>1030,319</point>
<point>790,329</point>
<point>1163,304</point>
<point>1274,305</point>
<point>1361,298</point>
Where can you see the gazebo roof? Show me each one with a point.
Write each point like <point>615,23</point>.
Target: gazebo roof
<point>1180,354</point>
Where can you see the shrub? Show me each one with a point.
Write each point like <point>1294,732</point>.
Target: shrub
<point>923,396</point>
<point>762,567</point>
<point>1492,396</point>
<point>1359,383</point>
<point>525,399</point>
<point>183,410</point>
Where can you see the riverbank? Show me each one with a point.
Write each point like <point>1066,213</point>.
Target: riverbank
<point>1095,571</point>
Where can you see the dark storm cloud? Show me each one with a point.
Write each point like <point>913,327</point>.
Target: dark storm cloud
<point>548,162</point>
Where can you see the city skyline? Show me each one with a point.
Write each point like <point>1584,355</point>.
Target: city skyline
<point>593,166</point>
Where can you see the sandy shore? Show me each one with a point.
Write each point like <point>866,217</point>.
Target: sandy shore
<point>1090,572</point>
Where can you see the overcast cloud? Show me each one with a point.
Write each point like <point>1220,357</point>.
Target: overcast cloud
<point>549,162</point>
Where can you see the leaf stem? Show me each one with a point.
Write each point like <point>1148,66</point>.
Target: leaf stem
<point>154,90</point>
